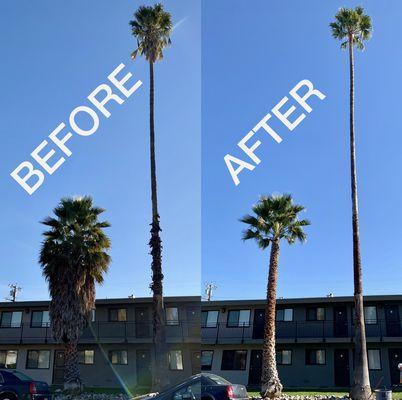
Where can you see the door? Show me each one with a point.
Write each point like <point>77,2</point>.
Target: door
<point>194,321</point>
<point>258,325</point>
<point>142,323</point>
<point>195,362</point>
<point>143,363</point>
<point>392,321</point>
<point>340,321</point>
<point>58,367</point>
<point>254,376</point>
<point>341,367</point>
<point>395,358</point>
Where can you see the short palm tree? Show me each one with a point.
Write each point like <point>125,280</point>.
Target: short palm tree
<point>274,218</point>
<point>73,258</point>
<point>152,26</point>
<point>353,27</point>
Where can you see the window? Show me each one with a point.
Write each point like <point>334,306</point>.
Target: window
<point>40,319</point>
<point>284,314</point>
<point>316,314</point>
<point>209,319</point>
<point>8,359</point>
<point>86,357</point>
<point>238,318</point>
<point>374,359</point>
<point>11,319</point>
<point>118,357</point>
<point>117,315</point>
<point>284,357</point>
<point>370,315</point>
<point>207,357</point>
<point>315,357</point>
<point>234,359</point>
<point>38,359</point>
<point>175,360</point>
<point>93,315</point>
<point>193,391</point>
<point>172,316</point>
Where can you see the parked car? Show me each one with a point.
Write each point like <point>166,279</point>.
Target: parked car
<point>214,387</point>
<point>15,385</point>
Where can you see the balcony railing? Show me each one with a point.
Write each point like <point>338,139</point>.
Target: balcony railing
<point>299,331</point>
<point>120,332</point>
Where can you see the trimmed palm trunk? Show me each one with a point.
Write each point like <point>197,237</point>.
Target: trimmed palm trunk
<point>270,383</point>
<point>159,377</point>
<point>72,380</point>
<point>361,385</point>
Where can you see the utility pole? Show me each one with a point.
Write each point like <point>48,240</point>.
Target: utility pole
<point>14,289</point>
<point>209,289</point>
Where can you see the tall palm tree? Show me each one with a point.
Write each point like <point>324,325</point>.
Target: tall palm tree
<point>353,27</point>
<point>73,258</point>
<point>275,218</point>
<point>152,27</point>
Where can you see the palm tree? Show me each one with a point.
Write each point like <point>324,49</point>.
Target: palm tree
<point>353,27</point>
<point>275,218</point>
<point>152,27</point>
<point>73,259</point>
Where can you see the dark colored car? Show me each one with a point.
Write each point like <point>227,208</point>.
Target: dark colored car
<point>214,387</point>
<point>15,385</point>
<point>203,387</point>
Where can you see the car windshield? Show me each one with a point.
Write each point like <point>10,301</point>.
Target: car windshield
<point>218,379</point>
<point>22,376</point>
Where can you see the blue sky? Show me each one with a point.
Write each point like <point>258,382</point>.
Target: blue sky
<point>253,54</point>
<point>53,55</point>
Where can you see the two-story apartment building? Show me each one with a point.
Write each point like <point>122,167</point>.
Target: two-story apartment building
<point>115,350</point>
<point>314,340</point>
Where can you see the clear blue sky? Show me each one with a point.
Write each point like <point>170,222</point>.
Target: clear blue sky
<point>54,54</point>
<point>253,54</point>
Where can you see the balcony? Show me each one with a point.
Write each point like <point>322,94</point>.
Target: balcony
<point>301,331</point>
<point>105,332</point>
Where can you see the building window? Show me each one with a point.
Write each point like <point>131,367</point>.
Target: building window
<point>38,359</point>
<point>316,314</point>
<point>11,319</point>
<point>93,315</point>
<point>234,359</point>
<point>209,319</point>
<point>207,357</point>
<point>118,357</point>
<point>284,314</point>
<point>118,315</point>
<point>8,359</point>
<point>40,319</point>
<point>172,316</point>
<point>238,318</point>
<point>284,357</point>
<point>374,359</point>
<point>315,357</point>
<point>86,357</point>
<point>175,360</point>
<point>370,315</point>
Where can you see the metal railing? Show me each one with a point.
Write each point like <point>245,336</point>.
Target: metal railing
<point>99,331</point>
<point>298,331</point>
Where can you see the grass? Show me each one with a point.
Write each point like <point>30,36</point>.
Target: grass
<point>395,395</point>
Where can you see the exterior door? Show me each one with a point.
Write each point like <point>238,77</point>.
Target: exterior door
<point>195,362</point>
<point>392,321</point>
<point>58,367</point>
<point>341,367</point>
<point>395,358</point>
<point>254,376</point>
<point>194,321</point>
<point>142,323</point>
<point>340,321</point>
<point>258,325</point>
<point>144,366</point>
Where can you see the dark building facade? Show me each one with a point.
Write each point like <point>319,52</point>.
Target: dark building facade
<point>116,350</point>
<point>314,340</point>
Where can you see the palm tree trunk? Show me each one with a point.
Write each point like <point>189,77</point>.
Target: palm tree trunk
<point>270,383</point>
<point>72,380</point>
<point>361,384</point>
<point>159,376</point>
